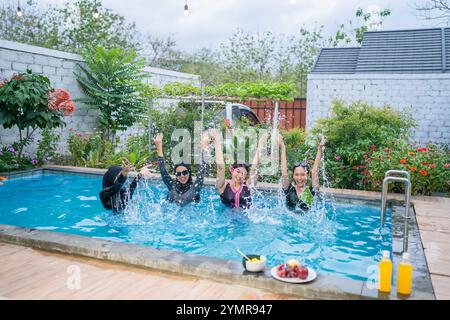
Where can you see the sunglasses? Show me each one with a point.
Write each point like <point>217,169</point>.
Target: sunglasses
<point>182,173</point>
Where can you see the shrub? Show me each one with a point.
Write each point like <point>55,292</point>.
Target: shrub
<point>427,165</point>
<point>84,149</point>
<point>47,146</point>
<point>353,133</point>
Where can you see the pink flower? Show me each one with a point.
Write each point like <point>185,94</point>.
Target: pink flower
<point>373,146</point>
<point>447,165</point>
<point>337,157</point>
<point>366,172</point>
<point>308,161</point>
<point>361,167</point>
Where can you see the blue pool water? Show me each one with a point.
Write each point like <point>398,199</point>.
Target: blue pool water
<point>340,237</point>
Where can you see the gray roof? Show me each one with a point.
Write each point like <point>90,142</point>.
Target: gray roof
<point>400,51</point>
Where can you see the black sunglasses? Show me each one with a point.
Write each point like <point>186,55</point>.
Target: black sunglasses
<point>182,173</point>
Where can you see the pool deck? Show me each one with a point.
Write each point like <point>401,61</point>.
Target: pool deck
<point>27,273</point>
<point>105,279</point>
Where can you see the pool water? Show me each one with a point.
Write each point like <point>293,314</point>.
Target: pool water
<point>339,237</point>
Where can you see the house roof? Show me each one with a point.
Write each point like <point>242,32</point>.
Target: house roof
<point>399,51</point>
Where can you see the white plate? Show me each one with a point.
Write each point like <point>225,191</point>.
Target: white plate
<point>311,276</point>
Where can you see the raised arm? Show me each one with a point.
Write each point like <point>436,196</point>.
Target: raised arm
<point>220,163</point>
<point>201,174</point>
<point>285,183</point>
<point>316,167</point>
<point>252,179</point>
<point>162,167</point>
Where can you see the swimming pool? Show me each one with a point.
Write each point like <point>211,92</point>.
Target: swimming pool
<point>340,237</point>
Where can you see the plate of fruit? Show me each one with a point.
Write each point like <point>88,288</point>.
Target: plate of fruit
<point>293,272</point>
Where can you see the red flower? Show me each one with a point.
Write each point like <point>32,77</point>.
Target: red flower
<point>412,168</point>
<point>447,165</point>
<point>419,149</point>
<point>381,158</point>
<point>354,168</point>
<point>369,159</point>
<point>423,172</point>
<point>387,150</point>
<point>424,163</point>
<point>361,167</point>
<point>411,154</point>
<point>308,161</point>
<point>84,139</point>
<point>432,166</point>
<point>402,161</point>
<point>366,172</point>
<point>373,146</point>
<point>424,149</point>
<point>388,157</point>
<point>365,156</point>
<point>60,100</point>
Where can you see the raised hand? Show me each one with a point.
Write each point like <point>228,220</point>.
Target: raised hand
<point>205,140</point>
<point>146,172</point>
<point>158,139</point>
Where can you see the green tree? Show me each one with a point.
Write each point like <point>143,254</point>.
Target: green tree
<point>112,82</point>
<point>37,26</point>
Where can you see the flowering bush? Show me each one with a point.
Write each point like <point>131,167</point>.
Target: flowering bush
<point>9,160</point>
<point>84,149</point>
<point>27,101</point>
<point>353,134</point>
<point>428,166</point>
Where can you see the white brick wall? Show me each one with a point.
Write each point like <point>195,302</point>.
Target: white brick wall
<point>425,96</point>
<point>58,66</point>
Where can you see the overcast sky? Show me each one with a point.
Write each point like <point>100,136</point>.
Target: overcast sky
<point>211,22</point>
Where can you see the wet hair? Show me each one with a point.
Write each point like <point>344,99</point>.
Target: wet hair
<point>240,165</point>
<point>303,165</point>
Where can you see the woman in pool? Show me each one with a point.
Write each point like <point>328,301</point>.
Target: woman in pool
<point>114,195</point>
<point>298,193</point>
<point>236,192</point>
<point>181,190</point>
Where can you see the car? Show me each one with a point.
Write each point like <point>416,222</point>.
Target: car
<point>237,111</point>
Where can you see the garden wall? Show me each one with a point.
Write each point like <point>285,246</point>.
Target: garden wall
<point>426,96</point>
<point>58,66</point>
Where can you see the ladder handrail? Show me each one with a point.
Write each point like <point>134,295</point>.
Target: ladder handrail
<point>392,172</point>
<point>386,180</point>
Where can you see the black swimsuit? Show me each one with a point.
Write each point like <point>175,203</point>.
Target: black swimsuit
<point>178,193</point>
<point>293,201</point>
<point>236,198</point>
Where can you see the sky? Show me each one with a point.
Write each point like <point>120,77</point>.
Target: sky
<point>211,22</point>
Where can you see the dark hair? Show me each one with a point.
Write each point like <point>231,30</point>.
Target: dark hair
<point>242,165</point>
<point>303,165</point>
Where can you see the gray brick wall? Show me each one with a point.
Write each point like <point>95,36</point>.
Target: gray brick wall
<point>58,67</point>
<point>425,96</point>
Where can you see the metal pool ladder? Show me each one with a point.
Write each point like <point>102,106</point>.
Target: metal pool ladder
<point>389,176</point>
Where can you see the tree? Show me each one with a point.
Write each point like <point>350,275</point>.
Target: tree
<point>112,82</point>
<point>81,28</point>
<point>28,101</point>
<point>437,10</point>
<point>38,26</point>
<point>71,27</point>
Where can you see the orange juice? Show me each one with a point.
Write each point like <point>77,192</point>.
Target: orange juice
<point>405,269</point>
<point>385,273</point>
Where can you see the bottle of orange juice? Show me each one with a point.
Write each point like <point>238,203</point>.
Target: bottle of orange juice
<point>385,272</point>
<point>405,269</point>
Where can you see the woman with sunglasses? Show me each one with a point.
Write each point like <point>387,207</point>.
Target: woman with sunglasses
<point>181,190</point>
<point>115,195</point>
<point>236,192</point>
<point>298,193</point>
